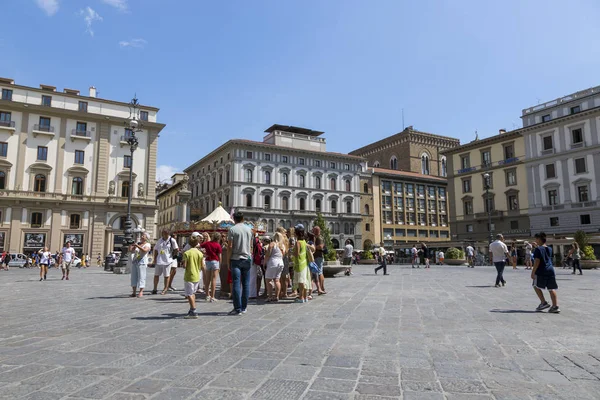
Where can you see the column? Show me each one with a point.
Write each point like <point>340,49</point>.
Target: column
<point>566,181</point>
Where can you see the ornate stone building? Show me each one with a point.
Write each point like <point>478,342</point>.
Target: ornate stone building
<point>172,200</point>
<point>409,150</point>
<point>64,169</point>
<point>286,179</point>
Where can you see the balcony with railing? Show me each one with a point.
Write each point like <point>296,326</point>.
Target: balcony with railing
<point>79,134</point>
<point>8,126</point>
<point>43,129</point>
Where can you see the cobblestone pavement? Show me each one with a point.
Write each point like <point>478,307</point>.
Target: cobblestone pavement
<point>443,333</point>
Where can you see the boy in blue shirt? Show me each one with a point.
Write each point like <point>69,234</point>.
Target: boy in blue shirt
<point>543,275</point>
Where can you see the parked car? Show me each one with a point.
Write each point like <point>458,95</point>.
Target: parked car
<point>18,260</point>
<point>76,262</point>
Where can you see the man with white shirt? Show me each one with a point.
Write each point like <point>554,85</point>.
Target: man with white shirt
<point>164,251</point>
<point>470,256</point>
<point>498,254</point>
<point>67,255</point>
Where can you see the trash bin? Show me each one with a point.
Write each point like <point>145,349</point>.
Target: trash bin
<point>109,264</point>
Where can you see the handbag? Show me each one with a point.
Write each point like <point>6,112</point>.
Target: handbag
<point>314,268</point>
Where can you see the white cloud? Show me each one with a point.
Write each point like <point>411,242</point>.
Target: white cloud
<point>120,5</point>
<point>136,43</point>
<point>49,6</point>
<point>165,172</point>
<point>90,16</point>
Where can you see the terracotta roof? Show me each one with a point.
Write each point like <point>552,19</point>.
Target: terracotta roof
<point>408,174</point>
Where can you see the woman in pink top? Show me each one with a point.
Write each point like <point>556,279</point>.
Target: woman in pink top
<point>213,251</point>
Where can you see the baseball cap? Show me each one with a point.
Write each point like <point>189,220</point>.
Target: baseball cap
<point>195,235</point>
<point>299,226</point>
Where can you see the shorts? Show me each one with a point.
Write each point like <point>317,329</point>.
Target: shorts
<point>319,262</point>
<point>66,265</point>
<point>212,266</point>
<point>164,270</point>
<point>191,288</point>
<point>274,272</point>
<point>346,261</point>
<point>545,282</point>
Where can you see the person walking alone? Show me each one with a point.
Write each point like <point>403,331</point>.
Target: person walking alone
<point>382,260</point>
<point>44,262</point>
<point>528,249</point>
<point>240,248</point>
<point>543,275</point>
<point>470,256</point>
<point>499,254</point>
<point>426,255</point>
<point>347,260</point>
<point>66,259</point>
<point>575,253</point>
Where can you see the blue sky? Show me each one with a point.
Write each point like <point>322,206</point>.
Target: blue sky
<point>230,69</point>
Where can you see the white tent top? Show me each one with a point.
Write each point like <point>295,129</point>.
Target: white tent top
<point>219,215</point>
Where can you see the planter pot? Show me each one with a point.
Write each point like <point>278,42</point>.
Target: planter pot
<point>368,262</point>
<point>589,264</point>
<point>332,268</point>
<point>454,262</point>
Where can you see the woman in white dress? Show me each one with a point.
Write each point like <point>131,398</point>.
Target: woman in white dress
<point>139,265</point>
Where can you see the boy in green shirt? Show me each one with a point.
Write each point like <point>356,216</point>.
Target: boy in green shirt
<point>193,261</point>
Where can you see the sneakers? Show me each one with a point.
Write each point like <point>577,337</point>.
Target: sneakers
<point>213,300</point>
<point>375,269</point>
<point>41,279</point>
<point>63,278</point>
<point>554,310</point>
<point>543,306</point>
<point>503,283</point>
<point>497,285</point>
<point>191,315</point>
<point>155,291</point>
<point>235,312</point>
<point>243,311</point>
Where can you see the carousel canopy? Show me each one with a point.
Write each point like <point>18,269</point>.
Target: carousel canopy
<point>219,215</point>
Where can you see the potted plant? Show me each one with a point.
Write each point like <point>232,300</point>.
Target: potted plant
<point>455,256</point>
<point>366,257</point>
<point>588,258</point>
<point>331,265</point>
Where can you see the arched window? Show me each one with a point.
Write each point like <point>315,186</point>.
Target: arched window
<point>77,186</point>
<point>331,227</point>
<point>74,222</point>
<point>268,177</point>
<point>366,188</point>
<point>347,185</point>
<point>249,175</point>
<point>302,204</point>
<point>220,179</point>
<point>302,184</point>
<point>352,229</point>
<point>318,182</point>
<point>125,189</point>
<point>248,200</point>
<point>285,204</point>
<point>346,228</point>
<point>425,164</point>
<point>348,207</point>
<point>318,205</point>
<point>2,180</point>
<point>227,177</point>
<point>214,182</point>
<point>393,163</point>
<point>267,202</point>
<point>332,184</point>
<point>333,206</point>
<point>337,228</point>
<point>376,164</point>
<point>366,209</point>
<point>39,183</point>
<point>284,180</point>
<point>271,226</point>
<point>444,168</point>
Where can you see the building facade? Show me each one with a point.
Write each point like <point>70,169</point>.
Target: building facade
<point>369,224</point>
<point>172,201</point>
<point>562,143</point>
<point>409,150</point>
<point>64,169</point>
<point>286,179</point>
<point>502,158</point>
<point>408,208</point>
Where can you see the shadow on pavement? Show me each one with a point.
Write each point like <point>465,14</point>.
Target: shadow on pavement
<point>175,316</point>
<point>481,286</point>
<point>514,311</point>
<point>121,296</point>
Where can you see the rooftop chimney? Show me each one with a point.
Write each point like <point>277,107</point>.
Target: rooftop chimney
<point>502,131</point>
<point>92,91</point>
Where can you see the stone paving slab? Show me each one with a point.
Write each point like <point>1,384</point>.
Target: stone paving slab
<point>444,333</point>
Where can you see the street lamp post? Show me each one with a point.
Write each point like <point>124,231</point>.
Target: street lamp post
<point>486,176</point>
<point>133,123</point>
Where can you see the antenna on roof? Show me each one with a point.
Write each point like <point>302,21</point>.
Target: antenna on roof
<point>403,119</point>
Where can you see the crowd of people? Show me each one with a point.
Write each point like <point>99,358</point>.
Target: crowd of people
<point>289,265</point>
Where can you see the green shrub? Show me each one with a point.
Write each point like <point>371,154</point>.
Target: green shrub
<point>367,244</point>
<point>588,253</point>
<point>454,254</point>
<point>582,239</point>
<point>367,255</point>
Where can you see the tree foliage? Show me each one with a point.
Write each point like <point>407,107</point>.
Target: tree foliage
<point>326,235</point>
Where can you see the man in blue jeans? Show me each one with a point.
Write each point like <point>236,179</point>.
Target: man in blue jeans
<point>498,254</point>
<point>240,248</point>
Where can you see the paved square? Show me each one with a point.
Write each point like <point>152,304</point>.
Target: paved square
<point>443,333</point>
